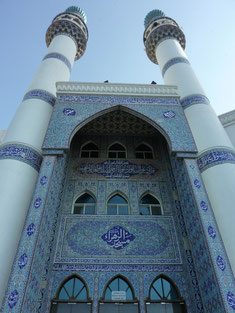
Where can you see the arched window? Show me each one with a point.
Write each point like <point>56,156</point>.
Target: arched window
<point>85,204</point>
<point>143,152</point>
<point>117,205</point>
<point>90,150</point>
<point>163,292</point>
<point>120,285</point>
<point>117,151</point>
<point>72,291</point>
<point>118,297</point>
<point>149,206</point>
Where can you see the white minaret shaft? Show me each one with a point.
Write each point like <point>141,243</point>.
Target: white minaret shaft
<point>20,151</point>
<point>165,41</point>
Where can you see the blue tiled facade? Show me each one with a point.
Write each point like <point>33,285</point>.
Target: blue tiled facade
<point>56,243</point>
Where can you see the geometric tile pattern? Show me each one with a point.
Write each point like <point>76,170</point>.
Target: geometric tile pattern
<point>118,122</point>
<point>150,109</point>
<point>211,233</point>
<point>34,249</point>
<point>147,240</point>
<point>195,205</point>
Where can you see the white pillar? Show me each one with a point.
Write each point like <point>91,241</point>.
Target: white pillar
<point>164,41</point>
<point>20,150</point>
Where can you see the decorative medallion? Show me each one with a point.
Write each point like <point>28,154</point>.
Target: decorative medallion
<point>22,260</point>
<point>37,203</point>
<point>197,183</point>
<point>211,232</point>
<point>69,112</point>
<point>231,299</point>
<point>43,180</point>
<point>204,206</point>
<point>169,114</point>
<point>118,237</point>
<point>31,229</point>
<point>221,263</point>
<point>13,298</point>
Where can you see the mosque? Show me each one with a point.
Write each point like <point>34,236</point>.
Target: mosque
<point>120,197</point>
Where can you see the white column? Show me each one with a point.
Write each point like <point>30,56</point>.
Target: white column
<point>25,135</point>
<point>209,135</point>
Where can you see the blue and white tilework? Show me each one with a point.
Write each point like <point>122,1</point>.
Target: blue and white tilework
<point>155,240</point>
<point>217,253</point>
<point>194,99</point>
<point>24,256</point>
<point>175,130</point>
<point>188,194</point>
<point>21,153</point>
<point>44,249</point>
<point>173,62</point>
<point>41,95</point>
<point>214,157</point>
<point>59,56</point>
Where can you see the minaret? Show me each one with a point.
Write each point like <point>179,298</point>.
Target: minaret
<point>165,42</point>
<point>20,152</point>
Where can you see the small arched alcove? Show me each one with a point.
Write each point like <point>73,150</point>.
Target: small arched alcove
<point>118,296</point>
<point>72,296</point>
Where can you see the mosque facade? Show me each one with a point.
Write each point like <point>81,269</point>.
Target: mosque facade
<point>120,196</point>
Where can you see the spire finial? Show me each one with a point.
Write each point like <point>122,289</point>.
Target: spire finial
<point>152,15</point>
<point>77,10</point>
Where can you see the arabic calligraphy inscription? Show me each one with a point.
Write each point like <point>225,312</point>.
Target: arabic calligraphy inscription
<point>118,237</point>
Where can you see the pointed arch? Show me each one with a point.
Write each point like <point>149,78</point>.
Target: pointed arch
<point>72,278</point>
<point>117,204</point>
<point>125,109</point>
<point>117,150</point>
<point>149,204</point>
<point>167,288</point>
<point>144,151</point>
<point>119,283</point>
<point>72,290</point>
<point>163,291</point>
<point>89,150</point>
<point>85,203</point>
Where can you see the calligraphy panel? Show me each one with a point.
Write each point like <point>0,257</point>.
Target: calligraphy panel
<point>116,169</point>
<point>117,240</point>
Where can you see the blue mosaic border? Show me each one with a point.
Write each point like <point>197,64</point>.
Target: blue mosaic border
<point>21,153</point>
<point>60,57</point>
<point>217,251</point>
<point>117,268</point>
<point>24,256</point>
<point>90,99</point>
<point>42,95</point>
<point>214,157</point>
<point>173,62</point>
<point>194,99</point>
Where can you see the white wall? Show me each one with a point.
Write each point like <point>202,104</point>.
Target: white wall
<point>228,122</point>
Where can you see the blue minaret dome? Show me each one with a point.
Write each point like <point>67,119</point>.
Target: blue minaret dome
<point>152,15</point>
<point>77,10</point>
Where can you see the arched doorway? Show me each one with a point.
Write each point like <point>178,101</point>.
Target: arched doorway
<point>118,297</point>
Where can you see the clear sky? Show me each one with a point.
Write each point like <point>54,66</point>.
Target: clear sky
<point>115,49</point>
